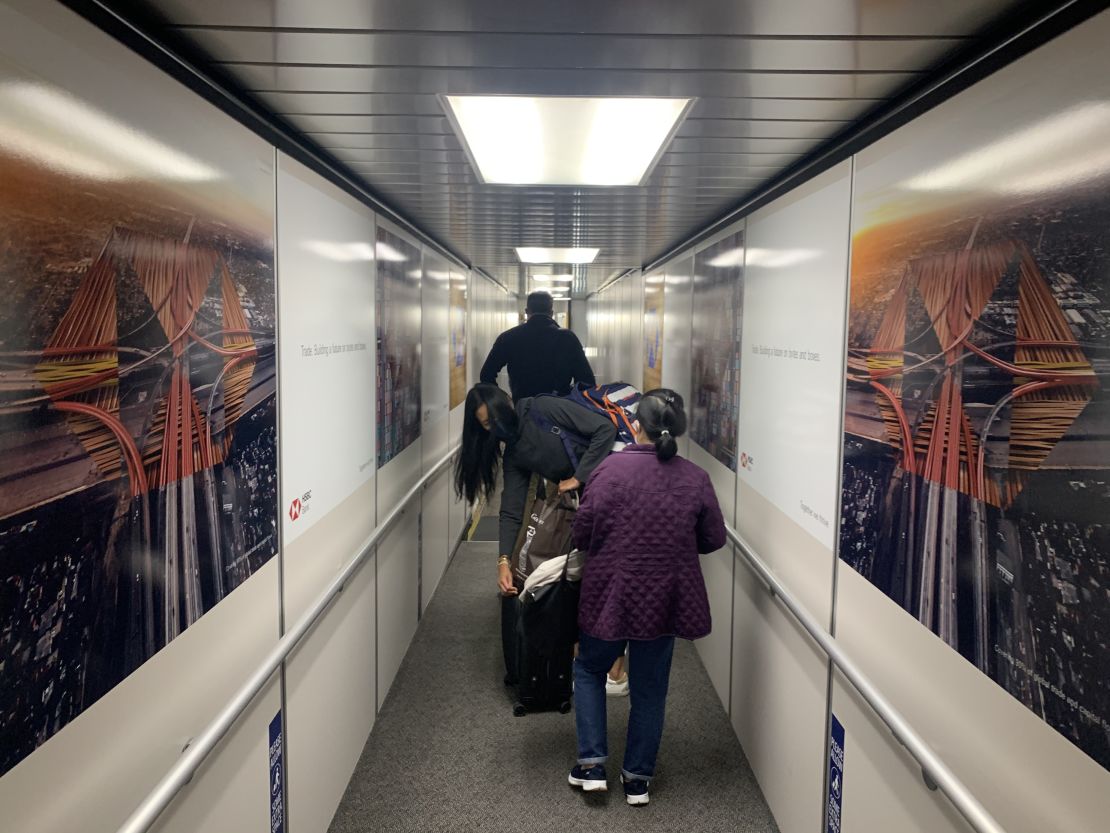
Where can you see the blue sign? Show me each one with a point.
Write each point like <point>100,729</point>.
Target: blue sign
<point>836,776</point>
<point>277,776</point>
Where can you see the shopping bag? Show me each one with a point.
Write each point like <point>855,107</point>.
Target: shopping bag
<point>547,533</point>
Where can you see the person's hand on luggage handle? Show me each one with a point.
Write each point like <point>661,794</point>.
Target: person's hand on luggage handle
<point>569,485</point>
<point>505,580</point>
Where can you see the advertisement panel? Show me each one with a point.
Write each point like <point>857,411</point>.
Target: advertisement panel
<point>976,470</point>
<point>795,282</point>
<point>398,316</point>
<point>326,264</point>
<point>138,431</point>
<point>457,346</point>
<point>715,346</point>
<point>654,302</point>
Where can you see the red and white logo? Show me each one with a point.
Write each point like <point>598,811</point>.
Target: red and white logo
<point>295,509</point>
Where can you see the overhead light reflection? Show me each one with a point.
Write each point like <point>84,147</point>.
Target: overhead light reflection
<point>733,257</point>
<point>778,258</point>
<point>340,252</point>
<point>1056,152</point>
<point>53,127</point>
<point>387,252</point>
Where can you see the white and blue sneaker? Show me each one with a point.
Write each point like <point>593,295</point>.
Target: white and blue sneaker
<point>590,779</point>
<point>635,791</point>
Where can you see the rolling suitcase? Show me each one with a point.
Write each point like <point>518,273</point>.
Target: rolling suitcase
<point>547,629</point>
<point>546,620</point>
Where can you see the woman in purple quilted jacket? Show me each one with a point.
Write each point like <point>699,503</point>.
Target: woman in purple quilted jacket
<point>644,520</point>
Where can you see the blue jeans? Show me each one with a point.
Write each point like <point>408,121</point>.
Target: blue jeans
<point>649,672</point>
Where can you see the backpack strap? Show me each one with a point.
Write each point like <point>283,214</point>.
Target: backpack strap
<point>547,426</point>
<point>616,413</point>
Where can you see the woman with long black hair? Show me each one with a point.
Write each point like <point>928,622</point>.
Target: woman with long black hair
<point>539,435</point>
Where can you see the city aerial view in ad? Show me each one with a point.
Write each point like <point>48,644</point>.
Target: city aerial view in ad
<point>137,430</point>
<point>976,489</point>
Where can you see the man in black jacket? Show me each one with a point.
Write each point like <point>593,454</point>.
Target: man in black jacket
<point>542,356</point>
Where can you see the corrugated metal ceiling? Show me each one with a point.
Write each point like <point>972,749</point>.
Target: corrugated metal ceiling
<point>773,80</point>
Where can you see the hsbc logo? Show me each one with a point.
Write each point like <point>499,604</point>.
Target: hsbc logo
<point>300,506</point>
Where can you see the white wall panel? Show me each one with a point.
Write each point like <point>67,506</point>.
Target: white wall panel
<point>398,554</point>
<point>716,649</point>
<point>779,679</point>
<point>991,641</point>
<point>436,361</point>
<point>795,286</point>
<point>331,696</point>
<point>457,513</point>
<point>634,363</point>
<point>326,293</point>
<point>106,147</point>
<point>459,510</point>
<point>677,323</point>
<point>398,567</point>
<point>1028,775</point>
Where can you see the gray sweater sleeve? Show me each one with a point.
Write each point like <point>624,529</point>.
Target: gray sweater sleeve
<point>599,430</point>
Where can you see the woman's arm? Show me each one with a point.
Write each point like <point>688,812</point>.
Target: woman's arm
<point>514,494</point>
<point>711,524</point>
<point>599,430</point>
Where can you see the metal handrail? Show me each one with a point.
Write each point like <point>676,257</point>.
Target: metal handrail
<point>934,770</point>
<point>194,755</point>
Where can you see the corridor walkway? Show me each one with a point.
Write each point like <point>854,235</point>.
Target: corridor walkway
<point>446,754</point>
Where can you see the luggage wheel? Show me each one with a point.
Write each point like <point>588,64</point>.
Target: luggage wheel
<point>519,710</point>
<point>564,707</point>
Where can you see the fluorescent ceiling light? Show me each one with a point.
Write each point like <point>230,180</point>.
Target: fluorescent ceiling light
<point>548,278</point>
<point>656,279</point>
<point>535,254</point>
<point>547,140</point>
<point>48,125</point>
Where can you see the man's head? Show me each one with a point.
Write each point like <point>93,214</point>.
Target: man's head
<point>540,303</point>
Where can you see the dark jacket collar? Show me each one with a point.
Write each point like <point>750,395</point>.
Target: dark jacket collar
<point>541,320</point>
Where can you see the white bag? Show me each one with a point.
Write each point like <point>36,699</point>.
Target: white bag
<point>551,571</point>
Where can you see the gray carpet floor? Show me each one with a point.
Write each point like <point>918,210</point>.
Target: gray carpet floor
<point>446,754</point>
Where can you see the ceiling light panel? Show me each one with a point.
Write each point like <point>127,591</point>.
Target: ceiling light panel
<point>523,140</point>
<point>536,254</point>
